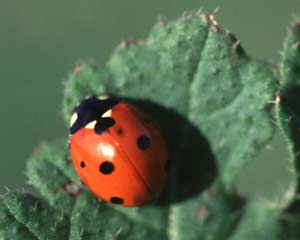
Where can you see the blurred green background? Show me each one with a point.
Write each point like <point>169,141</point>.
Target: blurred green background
<point>40,41</point>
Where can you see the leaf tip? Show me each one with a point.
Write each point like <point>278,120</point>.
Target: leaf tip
<point>296,26</point>
<point>209,18</point>
<point>162,21</point>
<point>134,42</point>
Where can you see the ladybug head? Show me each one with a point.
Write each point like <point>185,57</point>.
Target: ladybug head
<point>90,110</point>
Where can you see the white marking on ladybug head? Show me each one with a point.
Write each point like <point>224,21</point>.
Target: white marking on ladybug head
<point>91,125</point>
<point>107,150</point>
<point>103,97</point>
<point>73,119</point>
<point>107,113</point>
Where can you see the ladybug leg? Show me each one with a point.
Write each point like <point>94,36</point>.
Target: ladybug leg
<point>103,124</point>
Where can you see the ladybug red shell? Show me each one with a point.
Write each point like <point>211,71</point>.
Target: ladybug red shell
<point>117,152</point>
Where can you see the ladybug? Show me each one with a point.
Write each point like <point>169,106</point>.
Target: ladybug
<point>117,151</point>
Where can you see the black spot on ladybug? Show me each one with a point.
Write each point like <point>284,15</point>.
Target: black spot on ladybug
<point>103,124</point>
<point>116,200</point>
<point>120,131</point>
<point>106,168</point>
<point>82,164</point>
<point>143,142</point>
<point>90,110</point>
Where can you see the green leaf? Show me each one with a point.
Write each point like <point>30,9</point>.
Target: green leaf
<point>10,228</point>
<point>26,217</point>
<point>212,215</point>
<point>290,63</point>
<point>210,99</point>
<point>288,104</point>
<point>260,221</point>
<point>194,79</point>
<point>212,103</point>
<point>91,218</point>
<point>263,221</point>
<point>51,172</point>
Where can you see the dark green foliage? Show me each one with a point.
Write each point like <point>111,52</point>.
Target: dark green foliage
<point>10,229</point>
<point>259,221</point>
<point>288,102</point>
<point>49,171</point>
<point>26,217</point>
<point>214,105</point>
